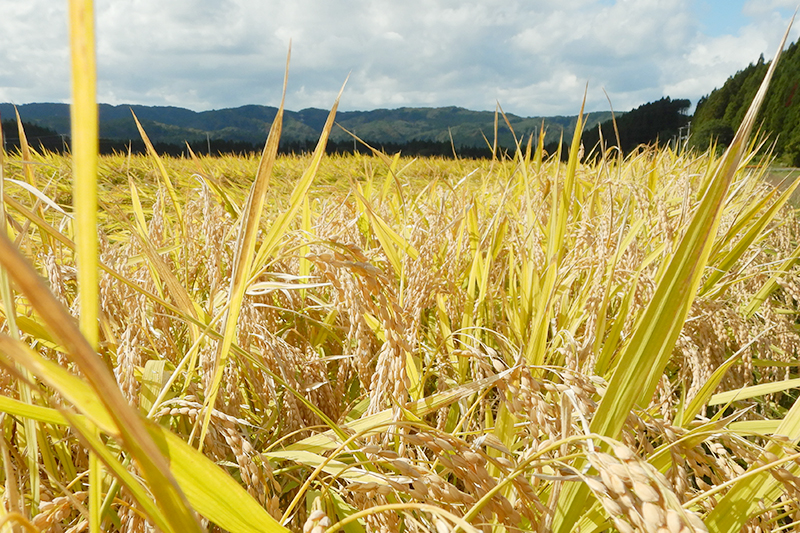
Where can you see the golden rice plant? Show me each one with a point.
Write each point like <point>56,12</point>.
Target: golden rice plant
<point>375,343</point>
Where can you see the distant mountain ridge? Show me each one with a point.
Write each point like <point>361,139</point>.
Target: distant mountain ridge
<point>250,124</point>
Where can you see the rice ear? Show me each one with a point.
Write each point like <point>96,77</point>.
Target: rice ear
<point>249,224</point>
<point>127,421</point>
<point>644,357</point>
<point>9,304</point>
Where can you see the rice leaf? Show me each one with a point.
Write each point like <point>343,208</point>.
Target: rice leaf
<point>281,224</point>
<point>642,360</point>
<point>560,209</point>
<point>10,307</point>
<point>127,422</point>
<point>81,396</point>
<point>230,207</point>
<point>27,172</point>
<point>138,212</point>
<point>746,242</point>
<point>771,284</point>
<point>755,427</point>
<point>40,196</point>
<point>153,379</point>
<point>390,240</point>
<point>45,415</point>
<point>753,391</point>
<point>332,466</point>
<point>750,495</point>
<point>204,484</point>
<point>326,441</point>
<point>243,259</point>
<point>173,195</point>
<point>85,147</point>
<point>704,395</point>
<point>197,476</point>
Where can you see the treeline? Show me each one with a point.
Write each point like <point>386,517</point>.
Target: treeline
<point>413,148</point>
<point>45,139</point>
<point>662,122</point>
<point>39,138</point>
<point>719,114</point>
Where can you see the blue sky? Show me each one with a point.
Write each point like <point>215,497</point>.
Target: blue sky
<point>721,17</point>
<point>533,57</point>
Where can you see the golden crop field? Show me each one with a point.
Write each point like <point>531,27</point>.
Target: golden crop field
<point>420,344</point>
<point>361,344</point>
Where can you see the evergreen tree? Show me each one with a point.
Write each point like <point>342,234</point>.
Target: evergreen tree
<point>654,122</point>
<point>719,114</point>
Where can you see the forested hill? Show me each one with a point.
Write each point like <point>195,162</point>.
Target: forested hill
<point>719,114</point>
<point>248,125</point>
<point>662,122</point>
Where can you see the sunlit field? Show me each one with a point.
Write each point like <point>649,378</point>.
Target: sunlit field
<point>384,344</point>
<point>420,345</point>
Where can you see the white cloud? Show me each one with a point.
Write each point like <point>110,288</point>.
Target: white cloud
<point>33,56</point>
<point>534,57</point>
<point>757,8</point>
<point>709,61</point>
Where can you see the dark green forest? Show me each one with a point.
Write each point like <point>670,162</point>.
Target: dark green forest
<point>414,131</point>
<point>719,114</point>
<point>394,131</point>
<point>41,139</point>
<point>658,122</point>
<point>384,130</point>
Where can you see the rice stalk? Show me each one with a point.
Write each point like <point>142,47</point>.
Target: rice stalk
<point>243,259</point>
<point>647,353</point>
<point>377,367</point>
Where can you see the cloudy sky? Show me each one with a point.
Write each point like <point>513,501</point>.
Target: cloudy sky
<point>534,57</point>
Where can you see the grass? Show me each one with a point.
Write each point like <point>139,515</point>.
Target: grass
<point>383,344</point>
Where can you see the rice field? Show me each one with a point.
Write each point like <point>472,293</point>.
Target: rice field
<point>380,344</point>
<point>421,345</point>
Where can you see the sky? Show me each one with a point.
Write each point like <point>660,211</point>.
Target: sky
<point>534,58</point>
